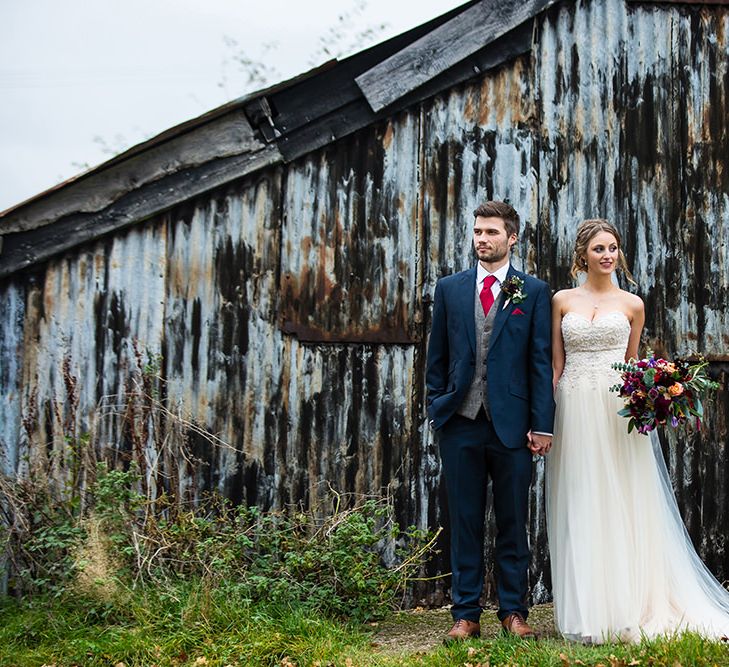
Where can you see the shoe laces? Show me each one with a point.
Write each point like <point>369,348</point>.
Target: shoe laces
<point>517,620</point>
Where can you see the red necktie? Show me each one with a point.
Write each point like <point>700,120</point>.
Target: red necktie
<point>487,296</point>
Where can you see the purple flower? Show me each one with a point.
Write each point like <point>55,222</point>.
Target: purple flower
<point>663,402</point>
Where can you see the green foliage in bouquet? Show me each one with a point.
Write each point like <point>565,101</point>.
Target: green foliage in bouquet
<point>663,393</point>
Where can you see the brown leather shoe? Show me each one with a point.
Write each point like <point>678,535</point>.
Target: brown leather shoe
<point>514,624</point>
<point>462,629</point>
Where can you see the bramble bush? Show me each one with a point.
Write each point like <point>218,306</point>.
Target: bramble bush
<point>330,560</point>
<point>90,518</point>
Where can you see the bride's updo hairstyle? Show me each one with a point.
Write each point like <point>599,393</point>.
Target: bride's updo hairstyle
<point>587,230</point>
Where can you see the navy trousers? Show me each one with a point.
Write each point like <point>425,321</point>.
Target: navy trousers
<point>471,452</point>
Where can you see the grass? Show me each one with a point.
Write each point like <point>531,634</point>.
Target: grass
<point>184,626</point>
<point>194,625</point>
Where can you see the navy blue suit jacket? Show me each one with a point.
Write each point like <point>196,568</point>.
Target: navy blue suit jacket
<point>519,360</point>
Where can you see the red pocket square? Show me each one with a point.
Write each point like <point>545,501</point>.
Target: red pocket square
<point>517,311</point>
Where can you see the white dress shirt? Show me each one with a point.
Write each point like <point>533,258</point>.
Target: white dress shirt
<point>499,274</point>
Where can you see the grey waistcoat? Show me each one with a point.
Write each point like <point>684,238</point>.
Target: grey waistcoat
<point>477,395</point>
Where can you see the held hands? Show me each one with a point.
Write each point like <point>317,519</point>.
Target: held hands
<point>539,444</point>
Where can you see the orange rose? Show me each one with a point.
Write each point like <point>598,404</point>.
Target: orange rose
<point>676,389</point>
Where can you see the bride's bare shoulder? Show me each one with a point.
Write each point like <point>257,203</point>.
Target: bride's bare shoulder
<point>560,296</point>
<point>561,301</point>
<point>632,302</point>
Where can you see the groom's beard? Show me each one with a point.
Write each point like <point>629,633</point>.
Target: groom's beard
<point>491,256</point>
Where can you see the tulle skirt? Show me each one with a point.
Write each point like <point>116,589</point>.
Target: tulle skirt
<point>623,565</point>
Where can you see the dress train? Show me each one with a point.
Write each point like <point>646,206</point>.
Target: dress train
<point>623,565</point>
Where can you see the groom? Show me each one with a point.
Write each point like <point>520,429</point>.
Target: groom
<point>489,380</point>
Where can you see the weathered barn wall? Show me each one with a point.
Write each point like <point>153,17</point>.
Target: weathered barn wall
<point>288,313</point>
<point>351,238</point>
<point>478,143</point>
<point>634,127</point>
<point>223,359</point>
<point>12,313</point>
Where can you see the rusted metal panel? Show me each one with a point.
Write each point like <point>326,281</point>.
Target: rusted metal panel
<point>355,421</point>
<point>12,313</point>
<point>81,322</point>
<point>223,355</point>
<point>350,243</point>
<point>581,57</point>
<point>12,310</point>
<point>698,227</point>
<point>478,144</point>
<point>634,127</point>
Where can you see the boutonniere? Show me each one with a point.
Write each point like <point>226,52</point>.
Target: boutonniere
<point>514,290</point>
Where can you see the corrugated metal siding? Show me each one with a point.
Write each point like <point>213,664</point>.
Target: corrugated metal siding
<point>125,292</point>
<point>290,311</point>
<point>580,54</point>
<point>223,353</point>
<point>355,421</point>
<point>82,319</point>
<point>478,143</point>
<point>634,126</point>
<point>351,238</point>
<point>694,314</point>
<point>12,315</point>
<point>700,226</point>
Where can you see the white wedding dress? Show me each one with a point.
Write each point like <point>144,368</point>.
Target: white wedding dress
<point>623,565</point>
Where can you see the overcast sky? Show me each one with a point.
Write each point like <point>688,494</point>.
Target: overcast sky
<point>80,78</point>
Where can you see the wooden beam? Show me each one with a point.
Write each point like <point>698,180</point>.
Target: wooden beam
<point>261,117</point>
<point>358,114</point>
<point>222,137</point>
<point>443,48</point>
<point>24,249</point>
<point>680,2</point>
<point>300,104</point>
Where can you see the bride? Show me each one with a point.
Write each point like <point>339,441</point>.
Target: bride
<point>623,565</point>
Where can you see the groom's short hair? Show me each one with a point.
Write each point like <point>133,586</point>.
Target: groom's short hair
<point>500,209</point>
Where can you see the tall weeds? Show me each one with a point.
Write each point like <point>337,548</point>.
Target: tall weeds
<point>87,517</point>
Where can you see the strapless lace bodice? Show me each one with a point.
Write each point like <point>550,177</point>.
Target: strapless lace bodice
<point>592,346</point>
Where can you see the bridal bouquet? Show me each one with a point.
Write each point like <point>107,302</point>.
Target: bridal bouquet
<point>659,392</point>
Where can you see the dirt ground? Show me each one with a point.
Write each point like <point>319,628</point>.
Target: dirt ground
<point>421,630</point>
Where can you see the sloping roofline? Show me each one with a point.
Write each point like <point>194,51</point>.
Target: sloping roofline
<point>274,125</point>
